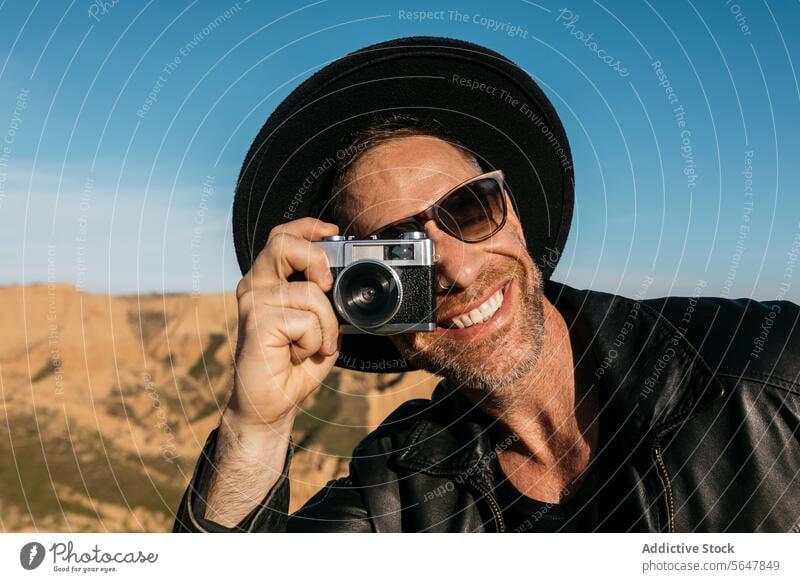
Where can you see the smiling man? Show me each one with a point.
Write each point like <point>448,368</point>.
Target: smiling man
<point>560,410</point>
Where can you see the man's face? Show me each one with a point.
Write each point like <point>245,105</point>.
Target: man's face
<point>402,177</point>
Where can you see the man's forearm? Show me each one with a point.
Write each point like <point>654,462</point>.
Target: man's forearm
<point>248,462</point>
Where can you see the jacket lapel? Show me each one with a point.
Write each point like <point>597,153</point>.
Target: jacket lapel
<point>452,439</point>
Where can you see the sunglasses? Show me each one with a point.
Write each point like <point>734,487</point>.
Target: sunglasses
<point>471,212</point>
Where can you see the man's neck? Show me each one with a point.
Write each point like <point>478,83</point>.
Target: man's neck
<point>552,414</point>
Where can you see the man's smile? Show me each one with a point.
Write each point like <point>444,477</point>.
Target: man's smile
<point>476,317</point>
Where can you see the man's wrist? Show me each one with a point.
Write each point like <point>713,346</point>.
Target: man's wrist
<point>248,462</point>
<point>242,441</point>
<point>234,423</point>
<point>201,513</point>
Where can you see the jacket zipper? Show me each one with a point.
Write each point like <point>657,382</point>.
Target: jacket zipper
<point>664,475</point>
<point>496,511</point>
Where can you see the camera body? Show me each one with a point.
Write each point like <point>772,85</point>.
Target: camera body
<point>382,287</point>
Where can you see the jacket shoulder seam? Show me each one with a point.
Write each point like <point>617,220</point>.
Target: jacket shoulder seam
<point>694,352</point>
<point>770,379</point>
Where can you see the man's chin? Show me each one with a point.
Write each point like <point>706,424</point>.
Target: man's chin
<point>478,369</point>
<point>485,363</point>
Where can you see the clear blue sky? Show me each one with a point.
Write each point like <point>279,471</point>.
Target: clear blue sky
<point>94,193</point>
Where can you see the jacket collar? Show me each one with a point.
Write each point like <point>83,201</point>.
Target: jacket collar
<point>452,438</point>
<point>650,377</point>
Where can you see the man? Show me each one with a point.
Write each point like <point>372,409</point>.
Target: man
<point>560,410</point>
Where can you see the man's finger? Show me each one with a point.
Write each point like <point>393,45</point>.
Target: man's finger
<point>307,228</point>
<point>286,254</point>
<point>304,296</point>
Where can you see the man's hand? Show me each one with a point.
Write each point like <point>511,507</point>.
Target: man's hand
<point>288,332</point>
<point>287,345</point>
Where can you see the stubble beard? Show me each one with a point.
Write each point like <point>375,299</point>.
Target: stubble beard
<point>496,360</point>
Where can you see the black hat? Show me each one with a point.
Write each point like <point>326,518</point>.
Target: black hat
<point>488,103</point>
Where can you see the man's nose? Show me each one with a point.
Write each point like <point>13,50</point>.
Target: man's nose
<point>459,264</point>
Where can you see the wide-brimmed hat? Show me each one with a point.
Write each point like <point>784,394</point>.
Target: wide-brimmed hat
<point>491,105</point>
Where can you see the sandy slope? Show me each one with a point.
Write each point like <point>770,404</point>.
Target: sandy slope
<point>107,401</point>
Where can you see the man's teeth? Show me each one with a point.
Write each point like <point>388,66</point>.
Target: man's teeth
<point>481,313</point>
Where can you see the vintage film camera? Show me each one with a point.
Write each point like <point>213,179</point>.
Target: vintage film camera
<point>382,287</point>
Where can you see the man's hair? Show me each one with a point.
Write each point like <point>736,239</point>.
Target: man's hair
<point>381,129</point>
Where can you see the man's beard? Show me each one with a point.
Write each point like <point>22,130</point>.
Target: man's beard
<point>494,360</point>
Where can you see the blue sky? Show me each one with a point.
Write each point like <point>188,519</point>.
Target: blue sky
<point>118,177</point>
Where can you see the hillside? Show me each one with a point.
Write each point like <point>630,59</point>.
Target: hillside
<point>107,401</point>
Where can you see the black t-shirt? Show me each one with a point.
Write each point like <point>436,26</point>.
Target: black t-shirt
<point>522,514</point>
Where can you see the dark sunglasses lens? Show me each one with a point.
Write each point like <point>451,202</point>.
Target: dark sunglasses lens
<point>475,211</point>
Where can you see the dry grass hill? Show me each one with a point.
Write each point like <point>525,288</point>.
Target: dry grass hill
<point>107,400</point>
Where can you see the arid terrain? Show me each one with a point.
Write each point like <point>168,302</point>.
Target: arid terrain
<point>107,401</point>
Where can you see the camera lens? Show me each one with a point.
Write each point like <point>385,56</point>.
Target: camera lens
<point>367,293</point>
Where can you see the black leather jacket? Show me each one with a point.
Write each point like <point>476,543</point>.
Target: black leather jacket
<point>699,431</point>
